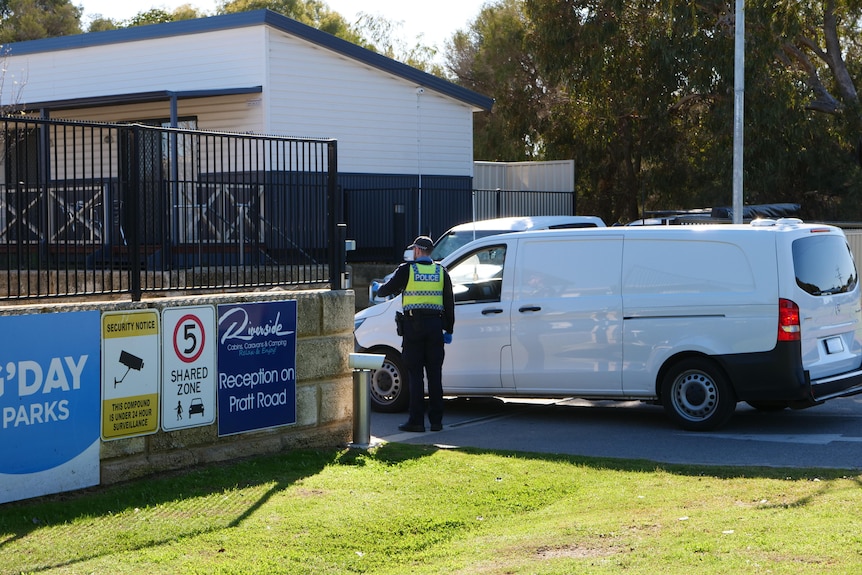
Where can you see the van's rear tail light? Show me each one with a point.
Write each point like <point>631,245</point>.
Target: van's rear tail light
<point>788,321</point>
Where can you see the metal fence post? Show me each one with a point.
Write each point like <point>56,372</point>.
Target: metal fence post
<point>335,214</point>
<point>132,215</point>
<point>399,232</point>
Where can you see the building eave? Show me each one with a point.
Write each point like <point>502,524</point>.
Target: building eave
<point>135,98</point>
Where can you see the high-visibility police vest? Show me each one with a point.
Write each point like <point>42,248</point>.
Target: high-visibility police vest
<point>424,288</point>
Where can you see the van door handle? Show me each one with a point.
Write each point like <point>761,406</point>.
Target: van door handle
<point>490,310</point>
<point>530,308</point>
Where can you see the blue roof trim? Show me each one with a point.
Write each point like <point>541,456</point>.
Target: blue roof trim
<point>253,18</point>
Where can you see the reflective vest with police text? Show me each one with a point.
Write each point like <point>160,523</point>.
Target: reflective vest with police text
<point>424,288</point>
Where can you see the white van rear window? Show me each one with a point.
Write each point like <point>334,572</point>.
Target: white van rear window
<point>824,265</point>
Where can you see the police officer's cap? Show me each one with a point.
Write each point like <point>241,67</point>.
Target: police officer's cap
<point>422,242</point>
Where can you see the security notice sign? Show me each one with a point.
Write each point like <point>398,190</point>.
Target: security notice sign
<point>130,373</point>
<point>188,372</point>
<point>256,366</point>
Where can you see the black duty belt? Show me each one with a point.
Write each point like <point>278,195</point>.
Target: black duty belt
<point>419,313</point>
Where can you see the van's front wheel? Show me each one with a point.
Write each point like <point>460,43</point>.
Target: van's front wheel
<point>697,396</point>
<point>389,392</point>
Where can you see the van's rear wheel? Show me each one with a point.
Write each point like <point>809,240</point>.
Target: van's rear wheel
<point>389,392</point>
<point>697,396</point>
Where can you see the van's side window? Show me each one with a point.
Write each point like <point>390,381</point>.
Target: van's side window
<point>478,277</point>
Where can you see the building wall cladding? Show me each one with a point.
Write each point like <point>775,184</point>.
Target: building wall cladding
<point>383,124</point>
<point>387,117</point>
<point>324,388</point>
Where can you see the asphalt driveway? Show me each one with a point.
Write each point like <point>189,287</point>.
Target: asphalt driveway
<point>829,435</point>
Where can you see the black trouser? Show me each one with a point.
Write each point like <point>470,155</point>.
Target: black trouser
<point>422,350</point>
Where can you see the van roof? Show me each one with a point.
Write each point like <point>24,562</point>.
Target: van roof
<point>781,225</point>
<point>527,223</point>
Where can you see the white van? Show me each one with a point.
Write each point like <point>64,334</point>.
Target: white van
<point>462,234</point>
<point>696,318</point>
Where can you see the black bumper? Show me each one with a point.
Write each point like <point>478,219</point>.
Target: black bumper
<point>777,375</point>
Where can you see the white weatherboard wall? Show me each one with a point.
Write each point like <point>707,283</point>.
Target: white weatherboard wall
<point>234,113</point>
<point>206,61</point>
<point>383,123</point>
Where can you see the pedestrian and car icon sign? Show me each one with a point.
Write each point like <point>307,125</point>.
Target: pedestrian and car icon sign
<point>188,373</point>
<point>196,406</point>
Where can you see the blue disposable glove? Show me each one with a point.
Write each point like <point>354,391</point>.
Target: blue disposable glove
<point>375,287</point>
<point>447,337</point>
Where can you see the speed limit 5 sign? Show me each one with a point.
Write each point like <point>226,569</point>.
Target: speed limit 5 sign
<point>188,376</point>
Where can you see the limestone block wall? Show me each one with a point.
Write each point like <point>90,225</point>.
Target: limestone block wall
<point>324,387</point>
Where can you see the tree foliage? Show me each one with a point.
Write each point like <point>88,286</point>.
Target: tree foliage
<point>640,94</point>
<point>101,24</point>
<point>371,32</point>
<point>160,16</point>
<point>381,35</point>
<point>314,13</point>
<point>491,58</point>
<point>33,19</point>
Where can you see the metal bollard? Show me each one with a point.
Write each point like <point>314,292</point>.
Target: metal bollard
<point>363,364</point>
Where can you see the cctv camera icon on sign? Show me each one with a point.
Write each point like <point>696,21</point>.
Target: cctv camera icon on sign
<point>131,362</point>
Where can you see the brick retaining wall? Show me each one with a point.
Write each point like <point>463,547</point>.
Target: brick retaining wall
<point>324,387</point>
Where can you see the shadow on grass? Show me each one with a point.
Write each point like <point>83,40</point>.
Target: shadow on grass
<point>263,476</point>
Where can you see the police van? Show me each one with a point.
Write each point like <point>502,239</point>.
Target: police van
<point>696,318</point>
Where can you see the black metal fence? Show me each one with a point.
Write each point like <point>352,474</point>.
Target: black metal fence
<point>398,215</point>
<point>90,208</point>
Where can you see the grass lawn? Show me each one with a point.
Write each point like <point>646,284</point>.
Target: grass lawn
<point>405,509</point>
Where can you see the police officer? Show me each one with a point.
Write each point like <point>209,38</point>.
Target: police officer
<point>429,318</point>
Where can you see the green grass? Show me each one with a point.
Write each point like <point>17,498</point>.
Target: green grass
<point>403,509</point>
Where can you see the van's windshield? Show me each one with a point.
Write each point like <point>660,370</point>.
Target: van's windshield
<point>824,265</point>
<point>454,240</point>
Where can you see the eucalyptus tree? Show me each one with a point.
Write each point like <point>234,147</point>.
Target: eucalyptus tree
<point>34,19</point>
<point>492,58</point>
<point>636,86</point>
<point>818,47</point>
<point>645,100</point>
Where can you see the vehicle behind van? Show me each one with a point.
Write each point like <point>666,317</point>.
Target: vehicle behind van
<point>462,234</point>
<point>696,318</point>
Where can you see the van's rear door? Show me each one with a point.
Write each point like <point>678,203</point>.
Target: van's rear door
<point>567,314</point>
<point>826,288</point>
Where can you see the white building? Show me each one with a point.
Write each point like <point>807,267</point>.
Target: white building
<point>399,130</point>
<point>255,72</point>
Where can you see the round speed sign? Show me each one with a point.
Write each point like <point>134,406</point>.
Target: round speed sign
<point>189,338</point>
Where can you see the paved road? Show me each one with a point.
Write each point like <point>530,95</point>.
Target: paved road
<point>828,435</point>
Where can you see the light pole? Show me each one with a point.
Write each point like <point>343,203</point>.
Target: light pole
<point>738,107</point>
